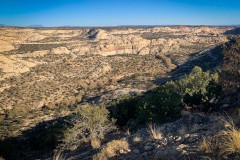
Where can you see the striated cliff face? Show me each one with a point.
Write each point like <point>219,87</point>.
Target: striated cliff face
<point>112,41</point>
<point>163,40</point>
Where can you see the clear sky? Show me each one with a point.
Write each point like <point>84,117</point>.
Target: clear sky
<point>119,12</point>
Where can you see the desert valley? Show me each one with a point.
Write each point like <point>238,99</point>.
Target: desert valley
<point>49,75</point>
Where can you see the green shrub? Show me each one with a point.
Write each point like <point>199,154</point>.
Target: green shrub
<point>197,87</point>
<point>19,111</point>
<point>214,90</point>
<point>160,104</point>
<point>89,122</point>
<point>166,101</point>
<point>48,137</point>
<point>124,108</point>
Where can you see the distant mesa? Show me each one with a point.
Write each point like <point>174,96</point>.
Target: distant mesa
<point>97,34</point>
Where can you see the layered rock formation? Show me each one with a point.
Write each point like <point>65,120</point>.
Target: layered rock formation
<point>174,42</point>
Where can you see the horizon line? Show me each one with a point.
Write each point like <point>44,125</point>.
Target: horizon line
<point>106,26</point>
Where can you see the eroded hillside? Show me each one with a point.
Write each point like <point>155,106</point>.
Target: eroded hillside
<point>44,70</point>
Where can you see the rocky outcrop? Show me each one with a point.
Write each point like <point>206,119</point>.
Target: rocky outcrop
<point>60,50</point>
<point>12,66</point>
<point>123,45</point>
<point>5,46</point>
<point>117,41</point>
<point>175,41</point>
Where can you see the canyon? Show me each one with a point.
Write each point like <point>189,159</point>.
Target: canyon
<point>95,54</point>
<point>46,72</point>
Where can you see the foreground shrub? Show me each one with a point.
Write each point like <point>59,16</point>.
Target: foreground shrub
<point>112,149</point>
<point>161,103</point>
<point>197,87</point>
<point>47,138</point>
<point>89,123</point>
<point>124,108</point>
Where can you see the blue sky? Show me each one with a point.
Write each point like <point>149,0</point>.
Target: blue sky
<point>119,12</point>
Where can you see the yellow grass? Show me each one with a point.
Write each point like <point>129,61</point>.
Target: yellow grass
<point>58,155</point>
<point>229,141</point>
<point>95,142</point>
<point>155,132</point>
<point>128,132</point>
<point>137,139</point>
<point>225,142</point>
<point>112,149</point>
<point>206,145</point>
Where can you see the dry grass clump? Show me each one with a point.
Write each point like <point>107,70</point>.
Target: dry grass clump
<point>112,149</point>
<point>95,142</point>
<point>137,139</point>
<point>229,141</point>
<point>155,132</point>
<point>206,145</point>
<point>128,132</point>
<point>58,155</point>
<point>224,143</point>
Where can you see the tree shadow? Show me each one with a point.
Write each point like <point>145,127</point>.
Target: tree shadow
<point>234,31</point>
<point>208,60</point>
<point>37,142</point>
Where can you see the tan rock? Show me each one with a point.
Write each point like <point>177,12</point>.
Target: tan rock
<point>60,50</point>
<point>5,46</point>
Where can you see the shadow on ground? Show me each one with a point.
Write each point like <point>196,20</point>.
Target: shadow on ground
<point>208,60</point>
<point>36,142</point>
<point>235,31</point>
